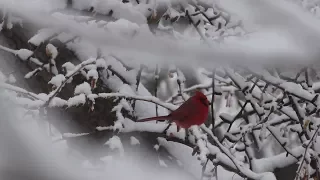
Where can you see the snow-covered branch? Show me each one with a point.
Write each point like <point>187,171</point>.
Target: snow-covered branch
<point>152,99</point>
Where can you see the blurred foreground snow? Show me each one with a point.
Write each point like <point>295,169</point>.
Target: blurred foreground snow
<point>26,152</point>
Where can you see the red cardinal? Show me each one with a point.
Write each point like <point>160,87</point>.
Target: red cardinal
<point>192,112</point>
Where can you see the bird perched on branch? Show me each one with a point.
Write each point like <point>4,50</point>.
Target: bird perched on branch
<point>192,112</point>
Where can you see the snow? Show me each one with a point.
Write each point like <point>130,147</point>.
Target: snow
<point>31,73</point>
<point>191,163</point>
<point>17,89</point>
<point>316,86</point>
<point>84,48</point>
<point>120,119</point>
<point>172,131</point>
<point>297,90</point>
<point>99,128</point>
<point>64,37</point>
<point>156,147</point>
<point>139,97</point>
<point>3,78</point>
<point>107,159</point>
<point>115,143</point>
<point>176,55</point>
<point>122,27</point>
<point>52,51</point>
<point>162,163</point>
<point>77,100</point>
<point>101,63</point>
<point>24,54</point>
<point>42,35</point>
<point>36,61</point>
<point>69,66</point>
<point>72,135</point>
<point>83,88</point>
<point>226,117</point>
<point>269,164</point>
<point>268,176</point>
<point>58,102</point>
<point>120,10</point>
<point>92,73</point>
<point>87,164</point>
<point>113,63</point>
<point>134,141</point>
<point>290,113</point>
<point>11,79</point>
<point>57,80</point>
<point>28,103</point>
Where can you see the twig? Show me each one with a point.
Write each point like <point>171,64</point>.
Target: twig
<point>196,26</point>
<point>156,87</point>
<point>70,75</point>
<point>300,116</point>
<point>203,169</point>
<point>212,101</point>
<point>151,99</point>
<point>179,85</point>
<point>234,119</point>
<point>137,85</point>
<point>283,145</point>
<point>19,90</point>
<point>241,171</point>
<point>305,152</point>
<point>118,75</point>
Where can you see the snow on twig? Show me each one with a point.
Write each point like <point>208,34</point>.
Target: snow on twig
<point>68,76</point>
<point>152,99</point>
<point>18,90</point>
<point>242,170</point>
<point>311,141</point>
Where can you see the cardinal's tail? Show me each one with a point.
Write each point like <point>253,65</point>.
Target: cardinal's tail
<point>154,118</point>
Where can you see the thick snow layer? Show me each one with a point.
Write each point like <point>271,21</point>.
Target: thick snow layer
<point>42,35</point>
<point>71,135</point>
<point>83,49</point>
<point>122,27</point>
<point>92,73</point>
<point>52,50</point>
<point>77,100</point>
<point>23,135</point>
<point>296,89</point>
<point>191,163</point>
<point>120,10</point>
<point>57,80</point>
<point>58,102</point>
<point>269,164</point>
<point>69,66</point>
<point>31,73</point>
<point>101,63</point>
<point>83,88</point>
<point>117,66</point>
<point>99,128</point>
<point>24,54</point>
